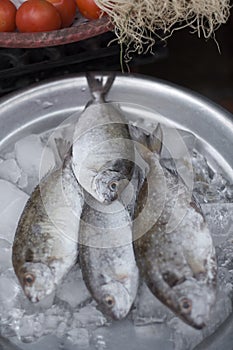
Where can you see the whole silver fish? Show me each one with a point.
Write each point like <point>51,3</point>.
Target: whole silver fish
<point>103,152</point>
<point>106,256</point>
<point>45,243</point>
<point>173,246</point>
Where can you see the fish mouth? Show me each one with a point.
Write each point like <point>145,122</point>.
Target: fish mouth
<point>197,325</point>
<point>109,200</point>
<point>33,299</point>
<point>120,315</point>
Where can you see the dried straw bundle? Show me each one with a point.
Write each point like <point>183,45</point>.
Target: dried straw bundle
<point>136,20</point>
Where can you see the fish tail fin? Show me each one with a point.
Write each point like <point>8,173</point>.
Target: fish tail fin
<point>98,87</point>
<point>63,147</point>
<point>152,142</point>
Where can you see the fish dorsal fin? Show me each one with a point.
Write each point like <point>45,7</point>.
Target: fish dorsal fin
<point>139,135</point>
<point>153,141</point>
<point>156,140</point>
<point>105,278</point>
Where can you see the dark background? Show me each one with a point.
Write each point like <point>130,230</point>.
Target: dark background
<point>185,60</point>
<point>197,64</point>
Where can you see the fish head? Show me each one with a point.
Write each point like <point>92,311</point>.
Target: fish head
<point>194,300</point>
<point>115,300</point>
<point>37,280</point>
<point>108,185</point>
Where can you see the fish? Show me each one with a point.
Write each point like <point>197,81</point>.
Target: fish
<point>172,243</point>
<point>45,245</point>
<point>129,195</point>
<point>102,150</point>
<point>107,258</point>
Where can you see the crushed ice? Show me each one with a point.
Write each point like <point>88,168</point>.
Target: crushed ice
<point>70,317</point>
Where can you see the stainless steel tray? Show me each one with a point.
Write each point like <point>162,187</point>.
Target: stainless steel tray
<point>42,107</point>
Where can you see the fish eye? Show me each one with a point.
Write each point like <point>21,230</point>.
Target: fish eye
<point>109,301</point>
<point>28,279</point>
<point>186,305</point>
<point>113,185</point>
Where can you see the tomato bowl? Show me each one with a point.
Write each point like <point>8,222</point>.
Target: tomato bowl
<point>80,30</point>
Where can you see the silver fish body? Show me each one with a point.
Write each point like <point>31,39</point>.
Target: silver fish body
<point>175,253</point>
<point>45,243</point>
<point>103,153</point>
<point>106,257</point>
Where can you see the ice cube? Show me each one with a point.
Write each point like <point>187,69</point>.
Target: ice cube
<point>73,290</point>
<point>9,290</point>
<point>148,309</point>
<point>5,255</point>
<point>182,167</point>
<point>229,193</point>
<point>49,342</point>
<point>219,217</point>
<point>33,157</point>
<point>23,181</point>
<point>9,170</point>
<point>184,336</point>
<point>219,182</point>
<point>88,316</point>
<point>44,322</point>
<point>206,193</point>
<point>12,204</point>
<point>225,254</point>
<point>79,337</point>
<point>99,341</point>
<point>31,327</point>
<point>177,143</point>
<point>153,336</point>
<point>202,171</point>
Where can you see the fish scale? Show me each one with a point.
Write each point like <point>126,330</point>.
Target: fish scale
<point>45,243</point>
<point>102,150</point>
<point>176,255</point>
<point>106,253</point>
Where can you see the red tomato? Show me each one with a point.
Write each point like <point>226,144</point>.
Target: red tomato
<point>67,10</point>
<point>7,16</point>
<point>37,16</point>
<point>89,9</point>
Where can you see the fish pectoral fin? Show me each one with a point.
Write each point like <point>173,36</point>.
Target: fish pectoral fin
<point>161,289</point>
<point>196,267</point>
<point>122,277</point>
<point>105,278</point>
<point>63,147</point>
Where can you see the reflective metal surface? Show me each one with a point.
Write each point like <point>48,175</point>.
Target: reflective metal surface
<point>44,106</point>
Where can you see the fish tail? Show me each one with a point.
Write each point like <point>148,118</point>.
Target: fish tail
<point>98,87</point>
<point>63,147</point>
<point>151,141</point>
